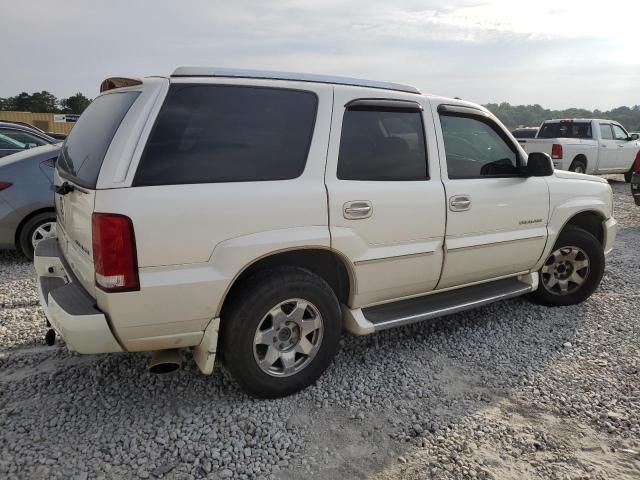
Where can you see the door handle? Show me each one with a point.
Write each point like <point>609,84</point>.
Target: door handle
<point>460,203</point>
<point>357,209</point>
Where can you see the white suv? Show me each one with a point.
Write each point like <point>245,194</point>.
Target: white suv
<point>258,214</point>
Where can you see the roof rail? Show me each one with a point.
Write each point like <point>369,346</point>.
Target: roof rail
<point>301,77</point>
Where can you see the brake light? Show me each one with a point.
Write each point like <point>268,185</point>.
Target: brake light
<point>556,151</point>
<point>5,185</point>
<point>114,253</point>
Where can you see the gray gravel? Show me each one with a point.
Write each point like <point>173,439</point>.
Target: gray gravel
<point>512,390</point>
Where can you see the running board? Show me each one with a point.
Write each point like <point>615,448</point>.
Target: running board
<point>427,307</point>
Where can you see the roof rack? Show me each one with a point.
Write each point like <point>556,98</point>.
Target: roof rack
<point>301,77</point>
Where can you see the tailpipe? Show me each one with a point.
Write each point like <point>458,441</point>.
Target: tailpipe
<point>165,361</point>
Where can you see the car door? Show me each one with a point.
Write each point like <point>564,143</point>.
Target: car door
<point>608,151</point>
<point>626,149</point>
<point>386,202</point>
<point>497,216</point>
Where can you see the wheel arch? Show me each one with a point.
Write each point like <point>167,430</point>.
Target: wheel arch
<point>328,264</point>
<point>580,157</point>
<point>589,220</point>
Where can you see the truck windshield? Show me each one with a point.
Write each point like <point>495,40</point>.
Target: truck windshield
<point>565,130</point>
<point>86,146</point>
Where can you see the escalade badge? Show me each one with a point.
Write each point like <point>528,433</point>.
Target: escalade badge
<point>527,222</point>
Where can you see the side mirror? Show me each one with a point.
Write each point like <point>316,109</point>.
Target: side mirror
<point>539,165</point>
<point>634,136</point>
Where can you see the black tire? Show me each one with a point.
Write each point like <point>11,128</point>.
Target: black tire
<point>628,175</point>
<point>578,165</point>
<point>574,237</point>
<point>25,235</point>
<point>255,297</point>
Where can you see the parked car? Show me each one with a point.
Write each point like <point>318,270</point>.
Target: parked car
<point>15,138</point>
<point>523,133</point>
<point>57,136</point>
<point>588,146</point>
<point>257,214</point>
<point>27,213</point>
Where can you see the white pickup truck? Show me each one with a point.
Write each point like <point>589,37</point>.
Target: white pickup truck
<point>587,146</point>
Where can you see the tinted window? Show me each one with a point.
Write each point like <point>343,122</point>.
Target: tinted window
<point>219,133</point>
<point>84,149</point>
<point>525,132</point>
<point>23,137</point>
<point>475,148</point>
<point>566,130</point>
<point>605,131</point>
<point>382,145</point>
<point>10,143</point>
<point>619,133</point>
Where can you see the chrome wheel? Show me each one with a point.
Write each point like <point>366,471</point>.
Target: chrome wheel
<point>44,231</point>
<point>565,271</point>
<point>288,337</point>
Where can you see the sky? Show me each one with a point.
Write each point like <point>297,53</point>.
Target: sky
<point>559,54</point>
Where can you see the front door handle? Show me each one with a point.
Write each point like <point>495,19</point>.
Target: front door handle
<point>357,209</point>
<point>460,203</point>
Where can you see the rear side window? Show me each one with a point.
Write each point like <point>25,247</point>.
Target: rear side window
<point>222,133</point>
<point>605,131</point>
<point>566,130</point>
<point>86,146</point>
<point>382,145</point>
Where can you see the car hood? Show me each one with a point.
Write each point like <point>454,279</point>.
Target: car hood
<point>46,151</point>
<point>579,176</point>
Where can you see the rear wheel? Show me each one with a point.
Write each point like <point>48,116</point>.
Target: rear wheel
<point>573,270</point>
<point>280,331</point>
<point>578,166</point>
<point>39,227</point>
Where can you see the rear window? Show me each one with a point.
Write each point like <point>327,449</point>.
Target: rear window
<point>227,133</point>
<point>86,146</point>
<point>566,130</point>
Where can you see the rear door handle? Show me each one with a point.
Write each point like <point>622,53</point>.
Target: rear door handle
<point>357,209</point>
<point>460,203</point>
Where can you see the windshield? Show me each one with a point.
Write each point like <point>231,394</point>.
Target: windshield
<point>566,130</point>
<point>86,146</point>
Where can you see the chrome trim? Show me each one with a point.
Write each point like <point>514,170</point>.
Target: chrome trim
<point>395,257</point>
<point>452,309</point>
<point>302,77</point>
<point>482,245</point>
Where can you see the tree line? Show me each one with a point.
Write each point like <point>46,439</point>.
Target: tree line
<point>44,102</point>
<point>511,115</point>
<point>533,115</point>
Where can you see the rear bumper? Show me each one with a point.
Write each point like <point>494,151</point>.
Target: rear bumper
<point>610,230</point>
<point>70,309</point>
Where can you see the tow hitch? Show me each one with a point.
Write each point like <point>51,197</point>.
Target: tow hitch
<point>635,187</point>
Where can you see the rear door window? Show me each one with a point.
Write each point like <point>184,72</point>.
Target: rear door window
<point>228,133</point>
<point>605,131</point>
<point>86,146</point>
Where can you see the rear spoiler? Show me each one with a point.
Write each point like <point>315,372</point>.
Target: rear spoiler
<point>118,82</point>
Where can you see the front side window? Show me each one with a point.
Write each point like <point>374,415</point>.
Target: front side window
<point>619,133</point>
<point>382,145</point>
<point>474,148</point>
<point>605,131</point>
<point>228,133</point>
<point>23,137</point>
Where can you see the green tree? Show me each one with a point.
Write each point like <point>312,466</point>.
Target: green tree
<point>75,103</point>
<point>43,102</point>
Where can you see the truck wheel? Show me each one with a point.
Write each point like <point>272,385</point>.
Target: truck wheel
<point>573,270</point>
<point>280,331</point>
<point>578,166</point>
<point>38,228</point>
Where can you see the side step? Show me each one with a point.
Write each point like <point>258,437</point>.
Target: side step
<point>427,307</point>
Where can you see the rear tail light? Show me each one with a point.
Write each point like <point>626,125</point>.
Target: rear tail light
<point>114,253</point>
<point>635,168</point>
<point>556,151</point>
<point>5,185</point>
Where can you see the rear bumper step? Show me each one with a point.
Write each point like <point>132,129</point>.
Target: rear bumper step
<point>405,312</point>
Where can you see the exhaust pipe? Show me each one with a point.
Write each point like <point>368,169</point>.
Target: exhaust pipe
<point>165,361</point>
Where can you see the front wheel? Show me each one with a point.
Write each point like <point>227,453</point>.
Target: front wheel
<point>280,331</point>
<point>573,270</point>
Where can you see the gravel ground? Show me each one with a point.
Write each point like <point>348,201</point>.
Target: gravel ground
<point>509,391</point>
